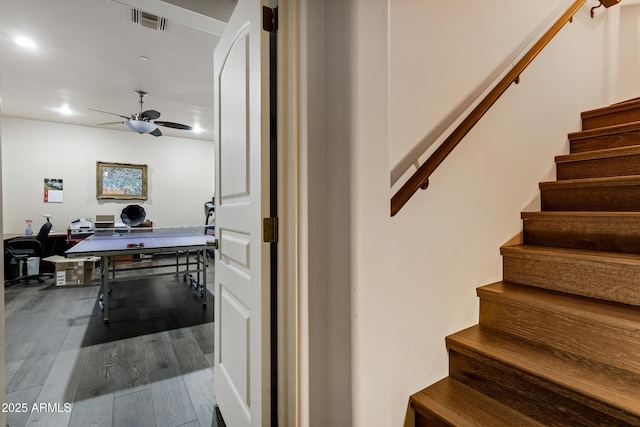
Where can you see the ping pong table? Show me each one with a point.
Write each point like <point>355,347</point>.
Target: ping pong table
<point>177,241</point>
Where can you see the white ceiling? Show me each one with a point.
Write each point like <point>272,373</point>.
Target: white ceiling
<point>88,56</point>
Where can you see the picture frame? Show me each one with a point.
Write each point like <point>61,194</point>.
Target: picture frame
<point>124,181</point>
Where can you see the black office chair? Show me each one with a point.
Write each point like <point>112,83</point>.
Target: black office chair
<point>209,213</point>
<point>20,249</point>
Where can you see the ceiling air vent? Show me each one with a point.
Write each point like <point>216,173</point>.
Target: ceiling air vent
<point>148,20</point>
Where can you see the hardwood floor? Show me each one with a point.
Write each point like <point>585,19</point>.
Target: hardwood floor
<point>152,365</point>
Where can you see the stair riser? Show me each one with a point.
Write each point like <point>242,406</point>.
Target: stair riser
<point>593,199</point>
<point>450,403</point>
<point>531,395</point>
<point>590,337</point>
<point>611,118</point>
<point>428,420</point>
<point>603,142</point>
<point>599,168</point>
<point>603,280</point>
<point>597,233</point>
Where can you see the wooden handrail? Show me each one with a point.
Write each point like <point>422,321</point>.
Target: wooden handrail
<point>420,179</point>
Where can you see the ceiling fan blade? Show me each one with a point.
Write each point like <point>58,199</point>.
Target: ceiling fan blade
<point>107,112</point>
<point>156,132</point>
<point>109,123</point>
<point>174,125</point>
<point>151,114</point>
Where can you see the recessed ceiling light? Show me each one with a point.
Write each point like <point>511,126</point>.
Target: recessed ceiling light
<point>25,42</point>
<point>144,58</point>
<point>65,110</point>
<point>197,129</point>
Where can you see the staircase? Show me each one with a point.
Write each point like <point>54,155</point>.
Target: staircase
<point>558,341</point>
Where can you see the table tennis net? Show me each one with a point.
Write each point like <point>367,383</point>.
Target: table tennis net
<point>177,231</point>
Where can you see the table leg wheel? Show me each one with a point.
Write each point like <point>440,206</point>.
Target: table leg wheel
<point>105,321</point>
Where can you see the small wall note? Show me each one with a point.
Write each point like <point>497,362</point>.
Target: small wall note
<point>53,190</point>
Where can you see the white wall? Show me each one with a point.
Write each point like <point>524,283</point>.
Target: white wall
<point>373,288</point>
<point>395,287</point>
<point>3,370</point>
<point>180,173</point>
<point>315,386</point>
<point>625,59</point>
<point>344,203</point>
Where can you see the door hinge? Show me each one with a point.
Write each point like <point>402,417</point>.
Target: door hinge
<point>270,19</point>
<point>270,230</point>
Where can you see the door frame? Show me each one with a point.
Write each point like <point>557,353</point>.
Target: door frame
<point>3,368</point>
<point>287,211</point>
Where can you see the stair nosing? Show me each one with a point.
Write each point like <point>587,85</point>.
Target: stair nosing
<point>447,415</point>
<point>611,109</point>
<point>604,131</point>
<point>584,254</point>
<point>606,312</point>
<point>614,181</point>
<point>605,153</point>
<point>544,371</point>
<point>552,215</point>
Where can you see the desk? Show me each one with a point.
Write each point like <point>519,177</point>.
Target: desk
<point>55,244</point>
<point>54,234</point>
<point>106,246</point>
<point>56,241</point>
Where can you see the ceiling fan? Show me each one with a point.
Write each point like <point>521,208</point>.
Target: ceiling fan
<point>144,121</point>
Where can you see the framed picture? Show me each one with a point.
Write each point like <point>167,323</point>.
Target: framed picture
<point>121,181</point>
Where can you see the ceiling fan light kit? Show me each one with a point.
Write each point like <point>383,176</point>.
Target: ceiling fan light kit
<point>142,121</point>
<point>140,126</point>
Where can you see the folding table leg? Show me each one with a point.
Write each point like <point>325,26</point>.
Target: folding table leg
<point>203,291</point>
<point>105,287</point>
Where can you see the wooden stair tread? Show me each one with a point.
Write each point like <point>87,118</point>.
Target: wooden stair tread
<point>578,215</point>
<point>612,386</point>
<point>589,229</point>
<point>615,193</point>
<point>625,112</point>
<point>600,162</point>
<point>582,254</point>
<point>599,154</point>
<point>603,273</point>
<point>459,405</point>
<point>616,181</point>
<point>617,314</point>
<point>611,109</point>
<point>606,136</point>
<point>603,131</point>
<point>596,330</point>
<point>626,101</point>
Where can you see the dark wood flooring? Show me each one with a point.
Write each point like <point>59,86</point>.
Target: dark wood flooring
<point>151,365</point>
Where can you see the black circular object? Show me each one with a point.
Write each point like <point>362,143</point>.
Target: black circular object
<point>133,215</point>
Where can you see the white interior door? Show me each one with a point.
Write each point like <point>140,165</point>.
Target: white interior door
<point>241,92</point>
